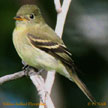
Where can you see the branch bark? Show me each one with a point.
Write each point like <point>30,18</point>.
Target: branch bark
<point>61,17</point>
<point>11,77</point>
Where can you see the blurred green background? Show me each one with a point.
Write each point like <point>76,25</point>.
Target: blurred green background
<point>85,34</point>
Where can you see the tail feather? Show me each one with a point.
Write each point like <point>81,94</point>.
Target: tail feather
<point>82,86</point>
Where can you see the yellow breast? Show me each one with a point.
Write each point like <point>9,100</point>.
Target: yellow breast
<point>19,37</point>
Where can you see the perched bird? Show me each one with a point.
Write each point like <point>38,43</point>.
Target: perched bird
<point>40,47</point>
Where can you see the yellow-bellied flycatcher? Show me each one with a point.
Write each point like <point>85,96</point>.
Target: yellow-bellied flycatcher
<point>40,47</point>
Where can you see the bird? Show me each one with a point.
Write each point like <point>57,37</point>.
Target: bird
<point>40,47</point>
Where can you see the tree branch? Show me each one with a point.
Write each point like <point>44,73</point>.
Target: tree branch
<point>58,6</point>
<point>11,77</point>
<point>39,83</point>
<point>61,17</point>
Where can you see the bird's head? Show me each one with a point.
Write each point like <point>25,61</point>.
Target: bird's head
<point>29,14</point>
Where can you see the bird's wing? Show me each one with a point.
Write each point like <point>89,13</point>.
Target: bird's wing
<point>59,51</point>
<point>54,48</point>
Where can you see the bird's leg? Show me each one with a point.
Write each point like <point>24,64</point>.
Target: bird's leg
<point>26,69</point>
<point>25,65</point>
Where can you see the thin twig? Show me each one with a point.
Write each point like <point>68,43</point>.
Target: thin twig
<point>58,6</point>
<point>11,77</point>
<point>61,17</point>
<point>38,81</point>
<point>50,80</point>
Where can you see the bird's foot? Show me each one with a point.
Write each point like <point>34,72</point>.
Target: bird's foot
<point>28,70</point>
<point>25,67</point>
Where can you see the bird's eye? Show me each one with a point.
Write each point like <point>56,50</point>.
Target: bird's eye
<point>31,16</point>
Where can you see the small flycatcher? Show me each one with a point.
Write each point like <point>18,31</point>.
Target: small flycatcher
<point>40,47</point>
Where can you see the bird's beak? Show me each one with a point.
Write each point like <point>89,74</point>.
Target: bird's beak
<point>19,18</point>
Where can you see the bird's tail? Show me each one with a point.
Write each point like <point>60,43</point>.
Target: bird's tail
<point>82,86</point>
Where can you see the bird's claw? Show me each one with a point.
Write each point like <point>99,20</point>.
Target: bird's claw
<point>26,69</point>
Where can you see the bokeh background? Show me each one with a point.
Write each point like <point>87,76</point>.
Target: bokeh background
<point>85,34</point>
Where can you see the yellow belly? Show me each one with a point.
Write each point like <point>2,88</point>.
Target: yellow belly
<point>34,56</point>
<point>31,55</point>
